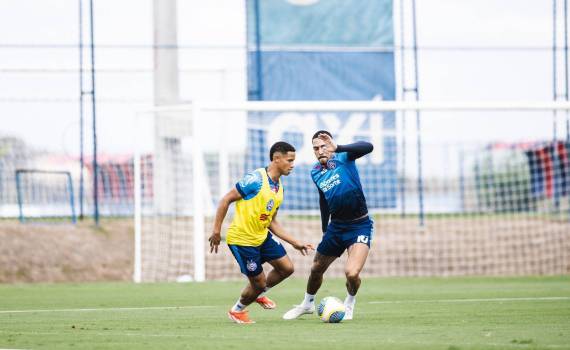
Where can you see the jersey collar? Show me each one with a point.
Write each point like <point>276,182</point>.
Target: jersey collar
<point>272,184</point>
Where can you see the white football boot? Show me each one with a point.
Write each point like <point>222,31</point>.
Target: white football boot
<point>298,311</point>
<point>349,311</point>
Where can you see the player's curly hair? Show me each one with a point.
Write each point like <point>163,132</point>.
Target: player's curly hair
<point>281,147</point>
<point>316,135</point>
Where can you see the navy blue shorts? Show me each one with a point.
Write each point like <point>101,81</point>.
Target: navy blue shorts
<point>340,236</point>
<point>250,259</point>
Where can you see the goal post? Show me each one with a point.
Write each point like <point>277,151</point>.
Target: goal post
<point>486,191</point>
<point>161,194</point>
<point>44,195</point>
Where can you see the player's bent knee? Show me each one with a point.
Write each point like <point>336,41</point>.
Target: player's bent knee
<point>259,286</point>
<point>352,275</point>
<point>288,271</point>
<point>258,283</point>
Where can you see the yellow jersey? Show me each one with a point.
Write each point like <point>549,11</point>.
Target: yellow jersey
<point>255,211</point>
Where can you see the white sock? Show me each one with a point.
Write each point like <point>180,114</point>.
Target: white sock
<point>309,300</point>
<point>350,299</point>
<point>238,306</point>
<point>264,292</point>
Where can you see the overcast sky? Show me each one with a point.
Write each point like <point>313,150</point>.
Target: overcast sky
<point>444,74</point>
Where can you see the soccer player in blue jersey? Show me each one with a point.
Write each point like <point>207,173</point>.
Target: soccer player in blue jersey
<point>258,196</point>
<point>350,228</point>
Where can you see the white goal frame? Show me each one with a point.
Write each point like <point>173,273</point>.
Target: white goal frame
<point>197,109</point>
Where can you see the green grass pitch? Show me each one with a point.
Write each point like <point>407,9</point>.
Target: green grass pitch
<point>391,313</point>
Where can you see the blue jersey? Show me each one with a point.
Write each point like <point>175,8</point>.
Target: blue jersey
<point>339,187</point>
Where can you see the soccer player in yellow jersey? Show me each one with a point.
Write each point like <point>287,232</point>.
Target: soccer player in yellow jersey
<point>250,236</point>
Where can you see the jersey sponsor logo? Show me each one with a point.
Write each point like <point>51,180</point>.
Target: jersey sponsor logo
<point>331,164</point>
<point>330,183</point>
<point>251,265</point>
<point>362,239</point>
<point>269,205</point>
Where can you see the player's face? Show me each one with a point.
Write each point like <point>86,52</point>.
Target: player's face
<point>285,162</point>
<point>321,151</point>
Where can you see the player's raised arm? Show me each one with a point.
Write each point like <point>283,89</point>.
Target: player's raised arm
<point>280,232</point>
<point>356,150</point>
<point>230,197</point>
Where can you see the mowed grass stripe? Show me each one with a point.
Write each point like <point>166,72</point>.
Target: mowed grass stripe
<point>214,306</point>
<point>110,309</point>
<point>306,340</point>
<point>469,300</point>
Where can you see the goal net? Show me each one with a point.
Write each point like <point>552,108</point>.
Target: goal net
<point>454,189</point>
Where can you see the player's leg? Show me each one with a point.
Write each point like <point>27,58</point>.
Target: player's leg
<point>272,252</point>
<point>249,260</point>
<point>328,250</point>
<point>357,238</point>
<point>248,295</point>
<point>357,254</point>
<point>282,268</point>
<point>320,265</point>
<point>255,287</point>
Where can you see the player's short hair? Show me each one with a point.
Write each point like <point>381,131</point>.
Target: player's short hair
<point>281,147</point>
<point>316,135</point>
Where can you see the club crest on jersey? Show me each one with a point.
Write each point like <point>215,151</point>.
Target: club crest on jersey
<point>251,265</point>
<point>269,205</point>
<point>331,164</point>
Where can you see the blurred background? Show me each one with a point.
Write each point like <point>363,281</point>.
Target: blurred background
<point>453,192</point>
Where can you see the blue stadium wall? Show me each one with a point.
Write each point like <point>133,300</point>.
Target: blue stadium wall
<point>323,50</point>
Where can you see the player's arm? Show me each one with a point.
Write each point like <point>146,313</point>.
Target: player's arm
<point>356,150</point>
<point>230,197</point>
<point>278,230</point>
<point>325,213</point>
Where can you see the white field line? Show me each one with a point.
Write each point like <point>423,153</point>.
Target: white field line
<point>213,306</point>
<point>469,300</point>
<point>108,309</point>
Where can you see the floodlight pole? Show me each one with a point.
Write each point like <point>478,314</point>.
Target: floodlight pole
<point>258,57</point>
<point>555,93</point>
<point>81,126</point>
<point>93,108</point>
<point>418,119</point>
<point>416,95</point>
<point>82,93</point>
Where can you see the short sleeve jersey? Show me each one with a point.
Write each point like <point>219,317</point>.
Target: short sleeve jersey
<point>261,198</point>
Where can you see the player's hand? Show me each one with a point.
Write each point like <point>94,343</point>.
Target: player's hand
<point>331,145</point>
<point>303,248</point>
<point>215,240</point>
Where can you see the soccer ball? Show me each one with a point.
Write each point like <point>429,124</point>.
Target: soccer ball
<point>331,310</point>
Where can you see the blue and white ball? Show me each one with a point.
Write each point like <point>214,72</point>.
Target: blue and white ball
<point>331,310</point>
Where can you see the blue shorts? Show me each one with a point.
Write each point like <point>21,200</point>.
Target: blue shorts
<point>340,236</point>
<point>250,259</point>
